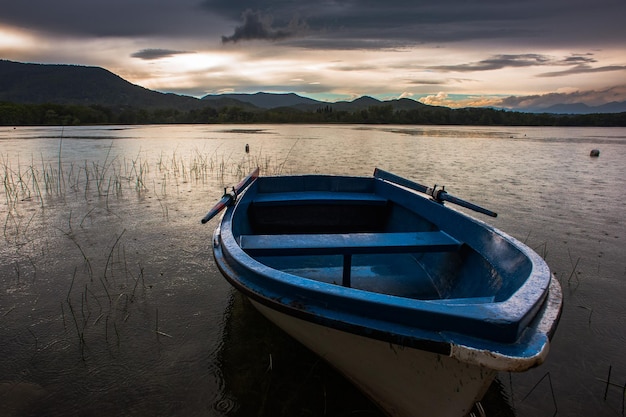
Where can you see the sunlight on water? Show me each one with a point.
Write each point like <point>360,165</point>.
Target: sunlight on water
<point>110,302</point>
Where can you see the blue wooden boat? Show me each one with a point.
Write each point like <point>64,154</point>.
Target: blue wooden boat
<point>419,304</point>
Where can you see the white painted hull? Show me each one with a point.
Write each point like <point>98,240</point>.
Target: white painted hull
<point>404,382</point>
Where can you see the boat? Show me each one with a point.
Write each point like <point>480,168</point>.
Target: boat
<point>416,302</point>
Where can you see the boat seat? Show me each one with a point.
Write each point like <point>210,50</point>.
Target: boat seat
<point>317,197</point>
<point>347,244</point>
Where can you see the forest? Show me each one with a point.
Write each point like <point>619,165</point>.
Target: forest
<point>13,114</point>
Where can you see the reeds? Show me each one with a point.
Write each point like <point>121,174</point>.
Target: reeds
<point>547,377</point>
<point>610,384</point>
<point>102,302</point>
<point>57,201</point>
<point>114,176</point>
<point>53,183</point>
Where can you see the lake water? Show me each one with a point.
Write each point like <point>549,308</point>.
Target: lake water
<point>111,304</point>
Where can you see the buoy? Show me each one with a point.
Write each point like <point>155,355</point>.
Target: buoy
<point>247,148</point>
<point>595,152</point>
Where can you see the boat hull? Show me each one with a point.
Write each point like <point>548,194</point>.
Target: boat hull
<point>403,381</point>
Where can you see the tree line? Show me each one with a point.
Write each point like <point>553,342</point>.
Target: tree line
<point>13,114</point>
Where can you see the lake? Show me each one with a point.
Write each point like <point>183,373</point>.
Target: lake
<point>111,304</point>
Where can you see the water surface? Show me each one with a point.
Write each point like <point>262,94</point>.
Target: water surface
<point>110,302</point>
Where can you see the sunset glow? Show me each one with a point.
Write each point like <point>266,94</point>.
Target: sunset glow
<point>14,40</point>
<point>476,57</point>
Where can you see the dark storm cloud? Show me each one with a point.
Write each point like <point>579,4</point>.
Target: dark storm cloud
<point>342,22</point>
<point>151,54</point>
<point>107,18</point>
<point>258,26</point>
<point>332,23</point>
<point>355,24</point>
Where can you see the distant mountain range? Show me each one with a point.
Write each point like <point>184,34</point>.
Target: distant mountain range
<point>266,100</point>
<point>27,83</point>
<point>579,108</point>
<point>72,84</point>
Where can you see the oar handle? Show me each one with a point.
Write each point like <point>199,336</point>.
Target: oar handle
<point>231,197</point>
<point>225,201</point>
<point>442,195</point>
<point>439,195</point>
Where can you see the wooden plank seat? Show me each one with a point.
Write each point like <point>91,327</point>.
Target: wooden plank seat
<point>317,197</point>
<point>347,245</point>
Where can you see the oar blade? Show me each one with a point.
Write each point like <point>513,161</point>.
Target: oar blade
<point>396,179</point>
<point>247,181</point>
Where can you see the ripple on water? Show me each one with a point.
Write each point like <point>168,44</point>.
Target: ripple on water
<point>225,405</point>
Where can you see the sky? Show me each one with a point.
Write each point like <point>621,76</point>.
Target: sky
<point>457,53</point>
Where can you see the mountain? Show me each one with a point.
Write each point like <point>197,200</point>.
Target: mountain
<point>575,108</point>
<point>581,108</point>
<point>361,103</point>
<point>613,107</point>
<point>274,101</point>
<point>74,84</point>
<point>578,108</point>
<point>365,102</point>
<point>265,100</point>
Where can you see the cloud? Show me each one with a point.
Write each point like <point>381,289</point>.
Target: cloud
<point>257,26</point>
<point>459,101</point>
<point>584,69</point>
<point>426,82</point>
<point>334,24</point>
<point>152,54</point>
<point>579,63</point>
<point>497,62</point>
<point>111,18</point>
<point>436,99</point>
<point>533,102</point>
<point>590,97</point>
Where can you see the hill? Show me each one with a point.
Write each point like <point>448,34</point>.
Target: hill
<point>274,101</point>
<point>80,85</point>
<point>265,100</point>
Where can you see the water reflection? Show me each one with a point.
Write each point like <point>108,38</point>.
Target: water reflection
<point>268,373</point>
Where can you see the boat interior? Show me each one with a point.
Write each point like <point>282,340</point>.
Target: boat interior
<point>368,241</point>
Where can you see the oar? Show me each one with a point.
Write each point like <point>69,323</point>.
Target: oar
<point>439,195</point>
<point>230,197</point>
<point>442,195</point>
